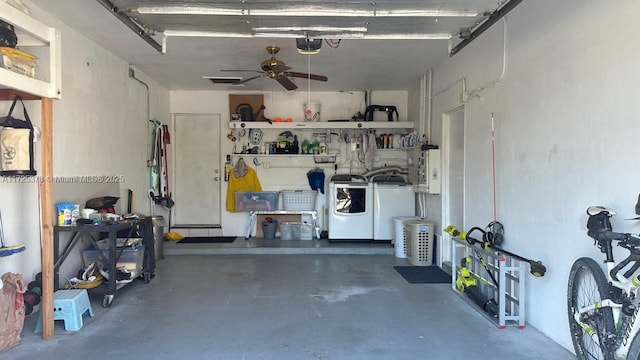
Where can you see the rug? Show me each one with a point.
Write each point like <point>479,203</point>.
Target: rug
<point>423,274</point>
<point>207,239</point>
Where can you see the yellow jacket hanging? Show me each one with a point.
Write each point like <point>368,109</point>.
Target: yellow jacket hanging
<point>249,182</point>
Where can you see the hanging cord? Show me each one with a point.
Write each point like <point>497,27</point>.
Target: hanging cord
<point>493,168</point>
<point>309,81</point>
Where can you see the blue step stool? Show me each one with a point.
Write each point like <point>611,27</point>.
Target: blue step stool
<point>69,305</point>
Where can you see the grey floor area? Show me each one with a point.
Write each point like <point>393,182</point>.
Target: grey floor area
<point>284,305</point>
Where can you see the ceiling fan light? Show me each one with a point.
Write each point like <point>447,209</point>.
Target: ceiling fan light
<point>308,52</point>
<point>308,46</point>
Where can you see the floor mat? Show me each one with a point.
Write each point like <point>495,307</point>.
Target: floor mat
<point>207,239</point>
<point>423,274</point>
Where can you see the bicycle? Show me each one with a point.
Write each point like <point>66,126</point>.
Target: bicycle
<point>603,307</point>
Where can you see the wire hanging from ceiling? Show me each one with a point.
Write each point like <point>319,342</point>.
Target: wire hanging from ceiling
<point>308,81</point>
<point>333,43</point>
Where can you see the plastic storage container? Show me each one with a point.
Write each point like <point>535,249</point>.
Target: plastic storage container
<point>256,200</point>
<point>299,200</point>
<point>306,231</point>
<point>290,231</point>
<point>131,257</point>
<point>296,231</point>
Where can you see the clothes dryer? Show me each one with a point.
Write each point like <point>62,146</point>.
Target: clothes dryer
<point>393,196</point>
<point>350,201</point>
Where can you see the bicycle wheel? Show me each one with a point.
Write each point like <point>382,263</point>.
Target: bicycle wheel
<point>634,349</point>
<point>588,285</point>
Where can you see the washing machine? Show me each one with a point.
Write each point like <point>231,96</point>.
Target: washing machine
<point>350,201</point>
<point>393,196</point>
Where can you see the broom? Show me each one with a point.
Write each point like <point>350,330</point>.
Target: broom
<point>8,250</point>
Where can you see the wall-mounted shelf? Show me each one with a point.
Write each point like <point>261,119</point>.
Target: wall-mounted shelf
<point>322,125</point>
<point>30,32</point>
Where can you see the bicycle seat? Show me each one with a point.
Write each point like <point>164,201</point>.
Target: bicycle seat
<point>595,210</point>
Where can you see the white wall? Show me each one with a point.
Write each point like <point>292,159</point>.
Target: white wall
<point>99,128</point>
<point>566,126</point>
<point>334,105</point>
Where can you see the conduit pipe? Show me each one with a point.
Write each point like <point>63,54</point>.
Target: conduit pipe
<point>384,170</point>
<point>474,93</point>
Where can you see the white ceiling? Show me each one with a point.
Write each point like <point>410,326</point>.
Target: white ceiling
<point>355,64</point>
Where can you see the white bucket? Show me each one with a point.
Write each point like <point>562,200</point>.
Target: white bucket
<point>312,112</point>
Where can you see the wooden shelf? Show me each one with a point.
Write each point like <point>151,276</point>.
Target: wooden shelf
<point>321,125</point>
<point>33,33</point>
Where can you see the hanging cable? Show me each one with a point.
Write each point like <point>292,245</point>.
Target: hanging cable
<point>309,81</point>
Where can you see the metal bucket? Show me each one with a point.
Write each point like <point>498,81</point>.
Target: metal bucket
<point>159,224</point>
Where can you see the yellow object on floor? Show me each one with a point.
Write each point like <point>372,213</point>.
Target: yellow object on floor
<point>172,235</point>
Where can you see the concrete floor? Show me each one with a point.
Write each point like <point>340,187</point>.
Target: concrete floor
<point>283,306</point>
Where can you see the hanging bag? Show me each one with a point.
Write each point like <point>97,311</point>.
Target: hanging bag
<point>16,143</point>
<point>11,309</point>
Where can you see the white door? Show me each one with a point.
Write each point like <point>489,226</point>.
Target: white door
<point>196,143</point>
<point>453,175</point>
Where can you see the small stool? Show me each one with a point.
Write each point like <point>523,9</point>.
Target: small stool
<point>69,305</point>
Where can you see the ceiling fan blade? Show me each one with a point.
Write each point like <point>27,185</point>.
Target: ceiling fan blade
<point>247,79</point>
<point>288,84</point>
<point>256,71</point>
<point>307,76</point>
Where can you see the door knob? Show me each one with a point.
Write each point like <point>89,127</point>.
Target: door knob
<point>216,178</point>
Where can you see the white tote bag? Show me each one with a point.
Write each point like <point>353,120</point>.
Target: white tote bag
<point>15,145</point>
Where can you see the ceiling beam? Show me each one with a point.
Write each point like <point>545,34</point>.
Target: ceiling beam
<point>493,18</point>
<point>140,31</point>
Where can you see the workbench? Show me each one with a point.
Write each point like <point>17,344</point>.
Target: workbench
<point>109,257</point>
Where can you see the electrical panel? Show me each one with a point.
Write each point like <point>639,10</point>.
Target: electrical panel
<point>426,172</point>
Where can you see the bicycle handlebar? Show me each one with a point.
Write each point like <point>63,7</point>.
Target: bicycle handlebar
<point>626,240</point>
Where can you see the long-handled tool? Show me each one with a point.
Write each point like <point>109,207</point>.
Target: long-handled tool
<point>465,283</point>
<point>453,231</point>
<point>537,269</point>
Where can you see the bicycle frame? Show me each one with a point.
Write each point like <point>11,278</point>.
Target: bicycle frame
<point>624,334</point>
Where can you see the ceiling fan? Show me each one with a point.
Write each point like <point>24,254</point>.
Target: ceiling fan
<point>277,70</point>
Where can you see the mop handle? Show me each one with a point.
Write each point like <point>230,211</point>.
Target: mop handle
<point>1,231</point>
